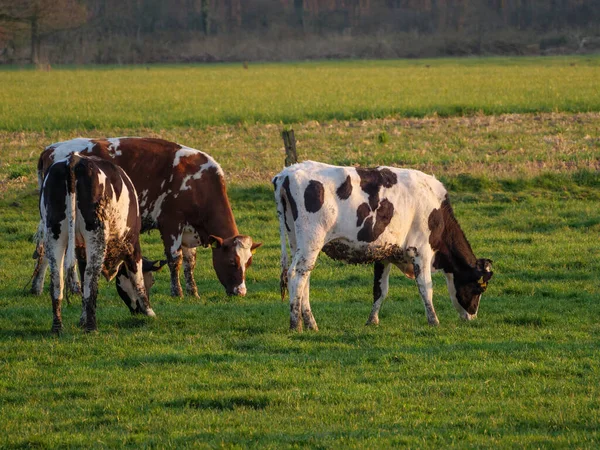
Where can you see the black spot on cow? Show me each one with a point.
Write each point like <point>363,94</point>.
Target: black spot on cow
<point>379,267</point>
<point>454,255</point>
<point>371,181</point>
<point>284,204</point>
<point>345,189</point>
<point>274,181</point>
<point>314,196</point>
<point>88,194</point>
<point>293,206</point>
<point>453,251</point>
<point>55,194</point>
<point>371,231</point>
<point>388,178</point>
<point>383,217</point>
<point>365,234</point>
<point>361,213</point>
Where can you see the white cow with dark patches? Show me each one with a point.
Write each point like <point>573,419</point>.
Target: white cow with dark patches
<point>385,216</point>
<point>89,212</point>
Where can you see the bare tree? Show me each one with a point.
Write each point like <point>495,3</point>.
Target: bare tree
<point>43,17</point>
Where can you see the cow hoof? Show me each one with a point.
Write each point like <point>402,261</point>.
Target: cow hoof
<point>372,323</point>
<point>296,327</point>
<point>150,313</point>
<point>57,329</point>
<point>91,329</point>
<point>75,289</point>
<point>434,323</point>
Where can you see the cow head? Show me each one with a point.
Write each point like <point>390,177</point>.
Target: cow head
<point>467,286</point>
<point>231,258</point>
<point>125,287</point>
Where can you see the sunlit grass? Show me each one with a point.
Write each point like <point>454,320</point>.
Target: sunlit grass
<point>199,95</point>
<point>225,372</point>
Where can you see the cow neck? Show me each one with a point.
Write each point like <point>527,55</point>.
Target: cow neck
<point>218,217</point>
<point>454,247</point>
<point>220,222</point>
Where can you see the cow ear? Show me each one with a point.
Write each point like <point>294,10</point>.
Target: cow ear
<point>158,265</point>
<point>484,265</point>
<point>255,246</point>
<point>152,266</point>
<point>215,241</point>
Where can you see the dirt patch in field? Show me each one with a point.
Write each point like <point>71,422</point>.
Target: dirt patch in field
<point>505,146</point>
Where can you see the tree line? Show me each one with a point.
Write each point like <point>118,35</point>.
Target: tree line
<point>89,30</point>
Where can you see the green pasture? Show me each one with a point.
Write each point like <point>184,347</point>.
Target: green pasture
<point>223,371</point>
<point>171,96</point>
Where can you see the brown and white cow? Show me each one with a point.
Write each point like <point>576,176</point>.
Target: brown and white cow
<point>89,211</point>
<point>182,193</point>
<point>385,216</point>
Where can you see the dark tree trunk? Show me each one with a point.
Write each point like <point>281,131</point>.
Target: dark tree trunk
<point>299,9</point>
<point>205,17</point>
<point>35,41</point>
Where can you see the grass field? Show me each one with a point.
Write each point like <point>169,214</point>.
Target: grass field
<point>225,372</point>
<point>160,97</point>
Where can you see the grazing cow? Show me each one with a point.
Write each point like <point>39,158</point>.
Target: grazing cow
<point>89,211</point>
<point>182,193</point>
<point>382,216</point>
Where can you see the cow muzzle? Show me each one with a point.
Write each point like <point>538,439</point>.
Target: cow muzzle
<point>239,290</point>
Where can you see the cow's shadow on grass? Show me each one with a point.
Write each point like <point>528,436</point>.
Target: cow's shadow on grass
<point>133,322</point>
<point>27,334</point>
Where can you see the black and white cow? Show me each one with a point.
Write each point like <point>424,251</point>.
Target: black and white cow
<point>89,211</point>
<point>382,216</point>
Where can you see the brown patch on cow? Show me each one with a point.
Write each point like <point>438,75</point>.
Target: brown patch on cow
<point>371,180</point>
<point>286,187</point>
<point>345,189</point>
<point>361,213</point>
<point>314,196</point>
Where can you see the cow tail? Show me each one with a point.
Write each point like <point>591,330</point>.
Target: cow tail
<point>283,277</point>
<point>38,237</point>
<point>71,214</point>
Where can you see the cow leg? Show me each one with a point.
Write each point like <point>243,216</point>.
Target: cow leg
<point>172,241</point>
<point>380,289</point>
<point>307,316</point>
<point>73,281</point>
<point>422,267</point>
<point>81,265</point>
<point>95,252</point>
<point>41,264</point>
<point>137,281</point>
<point>39,273</point>
<point>298,276</point>
<point>56,256</point>
<point>189,264</point>
<point>174,262</point>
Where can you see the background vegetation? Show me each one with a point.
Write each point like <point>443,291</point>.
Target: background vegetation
<point>225,372</point>
<point>145,31</point>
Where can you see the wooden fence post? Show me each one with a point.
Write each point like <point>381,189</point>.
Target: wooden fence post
<point>289,140</point>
